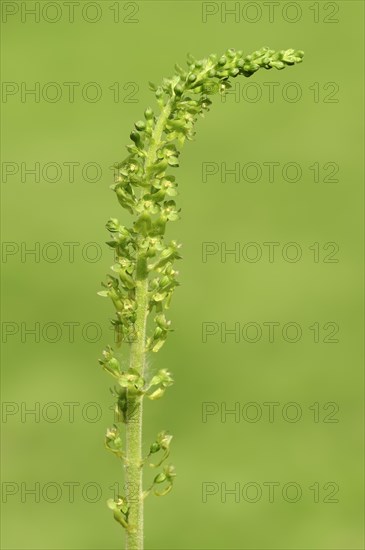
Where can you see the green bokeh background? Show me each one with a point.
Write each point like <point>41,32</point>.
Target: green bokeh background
<point>305,132</point>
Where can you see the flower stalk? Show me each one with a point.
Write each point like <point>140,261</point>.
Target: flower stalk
<point>144,277</point>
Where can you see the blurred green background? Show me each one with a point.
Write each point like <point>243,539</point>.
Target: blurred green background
<point>131,43</point>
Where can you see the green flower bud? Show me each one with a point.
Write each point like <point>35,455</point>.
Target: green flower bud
<point>164,281</point>
<point>277,64</point>
<point>157,394</point>
<point>107,353</point>
<point>173,161</point>
<point>192,77</point>
<point>161,321</point>
<point>164,439</point>
<point>159,296</point>
<point>155,447</point>
<point>223,74</point>
<point>111,433</point>
<point>148,113</point>
<point>158,332</point>
<point>160,478</point>
<point>140,125</point>
<point>170,471</point>
<point>178,89</point>
<point>263,50</point>
<point>135,136</point>
<point>112,225</point>
<point>126,279</point>
<point>222,61</point>
<point>251,67</point>
<point>114,364</point>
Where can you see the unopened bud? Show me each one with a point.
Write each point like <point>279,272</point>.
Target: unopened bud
<point>148,113</point>
<point>178,89</point>
<point>140,125</point>
<point>135,137</point>
<point>160,478</point>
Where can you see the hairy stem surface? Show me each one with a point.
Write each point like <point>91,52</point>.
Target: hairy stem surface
<point>134,414</point>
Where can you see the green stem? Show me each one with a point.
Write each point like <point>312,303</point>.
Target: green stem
<point>157,132</point>
<point>134,489</point>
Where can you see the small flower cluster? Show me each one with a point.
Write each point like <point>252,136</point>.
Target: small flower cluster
<point>144,188</point>
<point>131,380</point>
<point>129,383</point>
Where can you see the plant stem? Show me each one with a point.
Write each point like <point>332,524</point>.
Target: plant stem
<point>134,490</point>
<point>157,132</point>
